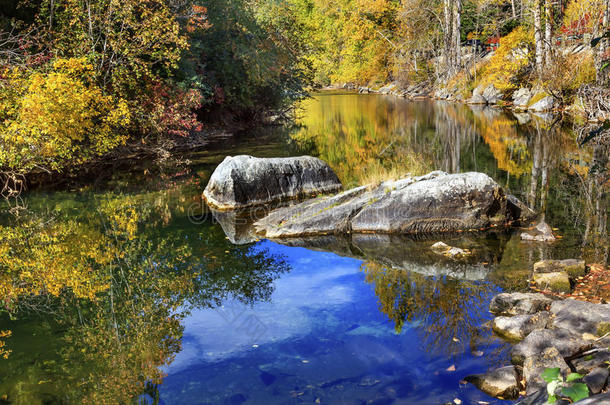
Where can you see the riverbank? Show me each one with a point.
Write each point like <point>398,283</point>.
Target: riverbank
<point>561,340</point>
<point>524,99</point>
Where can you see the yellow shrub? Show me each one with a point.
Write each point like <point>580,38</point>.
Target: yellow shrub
<point>50,118</point>
<point>511,59</point>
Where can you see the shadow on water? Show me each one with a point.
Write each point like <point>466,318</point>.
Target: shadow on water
<point>133,290</point>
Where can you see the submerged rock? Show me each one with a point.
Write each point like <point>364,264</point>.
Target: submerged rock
<point>501,382</point>
<point>436,202</point>
<point>556,281</point>
<point>574,268</point>
<point>518,327</point>
<point>518,303</point>
<point>245,181</point>
<point>456,253</point>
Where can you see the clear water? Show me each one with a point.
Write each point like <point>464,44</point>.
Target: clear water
<point>163,308</point>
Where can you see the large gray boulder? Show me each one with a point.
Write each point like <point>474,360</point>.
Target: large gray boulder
<point>436,202</point>
<point>245,181</point>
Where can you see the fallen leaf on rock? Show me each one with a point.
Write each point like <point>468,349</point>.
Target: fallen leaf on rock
<point>457,401</point>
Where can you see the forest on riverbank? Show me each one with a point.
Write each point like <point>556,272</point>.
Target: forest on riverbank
<point>82,79</point>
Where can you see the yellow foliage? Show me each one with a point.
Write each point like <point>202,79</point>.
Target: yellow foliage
<point>582,14</point>
<point>60,115</point>
<point>512,56</point>
<point>37,260</point>
<point>3,351</point>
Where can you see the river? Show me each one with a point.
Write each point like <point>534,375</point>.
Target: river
<point>127,289</point>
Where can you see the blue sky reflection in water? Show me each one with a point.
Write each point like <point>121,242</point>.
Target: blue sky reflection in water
<point>322,337</point>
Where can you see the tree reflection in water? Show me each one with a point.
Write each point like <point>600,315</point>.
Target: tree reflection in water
<point>447,311</point>
<point>106,292</point>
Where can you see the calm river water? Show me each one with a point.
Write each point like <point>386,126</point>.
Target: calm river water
<point>128,290</point>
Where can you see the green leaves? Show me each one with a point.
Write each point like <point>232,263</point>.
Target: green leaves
<point>551,374</point>
<point>576,392</point>
<point>554,381</point>
<point>573,377</point>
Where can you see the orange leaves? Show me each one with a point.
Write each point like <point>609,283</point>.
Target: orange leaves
<point>198,19</point>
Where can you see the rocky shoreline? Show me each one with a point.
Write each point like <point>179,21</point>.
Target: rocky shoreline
<point>571,335</point>
<point>524,99</point>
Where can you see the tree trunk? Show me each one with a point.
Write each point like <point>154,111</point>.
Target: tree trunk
<point>602,75</point>
<point>447,33</point>
<point>538,36</point>
<point>457,24</point>
<point>512,5</point>
<point>548,31</point>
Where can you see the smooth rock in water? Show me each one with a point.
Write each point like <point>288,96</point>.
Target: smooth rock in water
<point>534,366</point>
<point>519,303</point>
<point>521,98</point>
<point>245,181</point>
<point>542,232</point>
<point>556,282</point>
<point>501,382</point>
<point>580,316</point>
<point>436,202</point>
<point>517,327</point>
<point>596,380</point>
<point>451,252</point>
<point>567,342</point>
<point>574,268</point>
<point>545,104</point>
